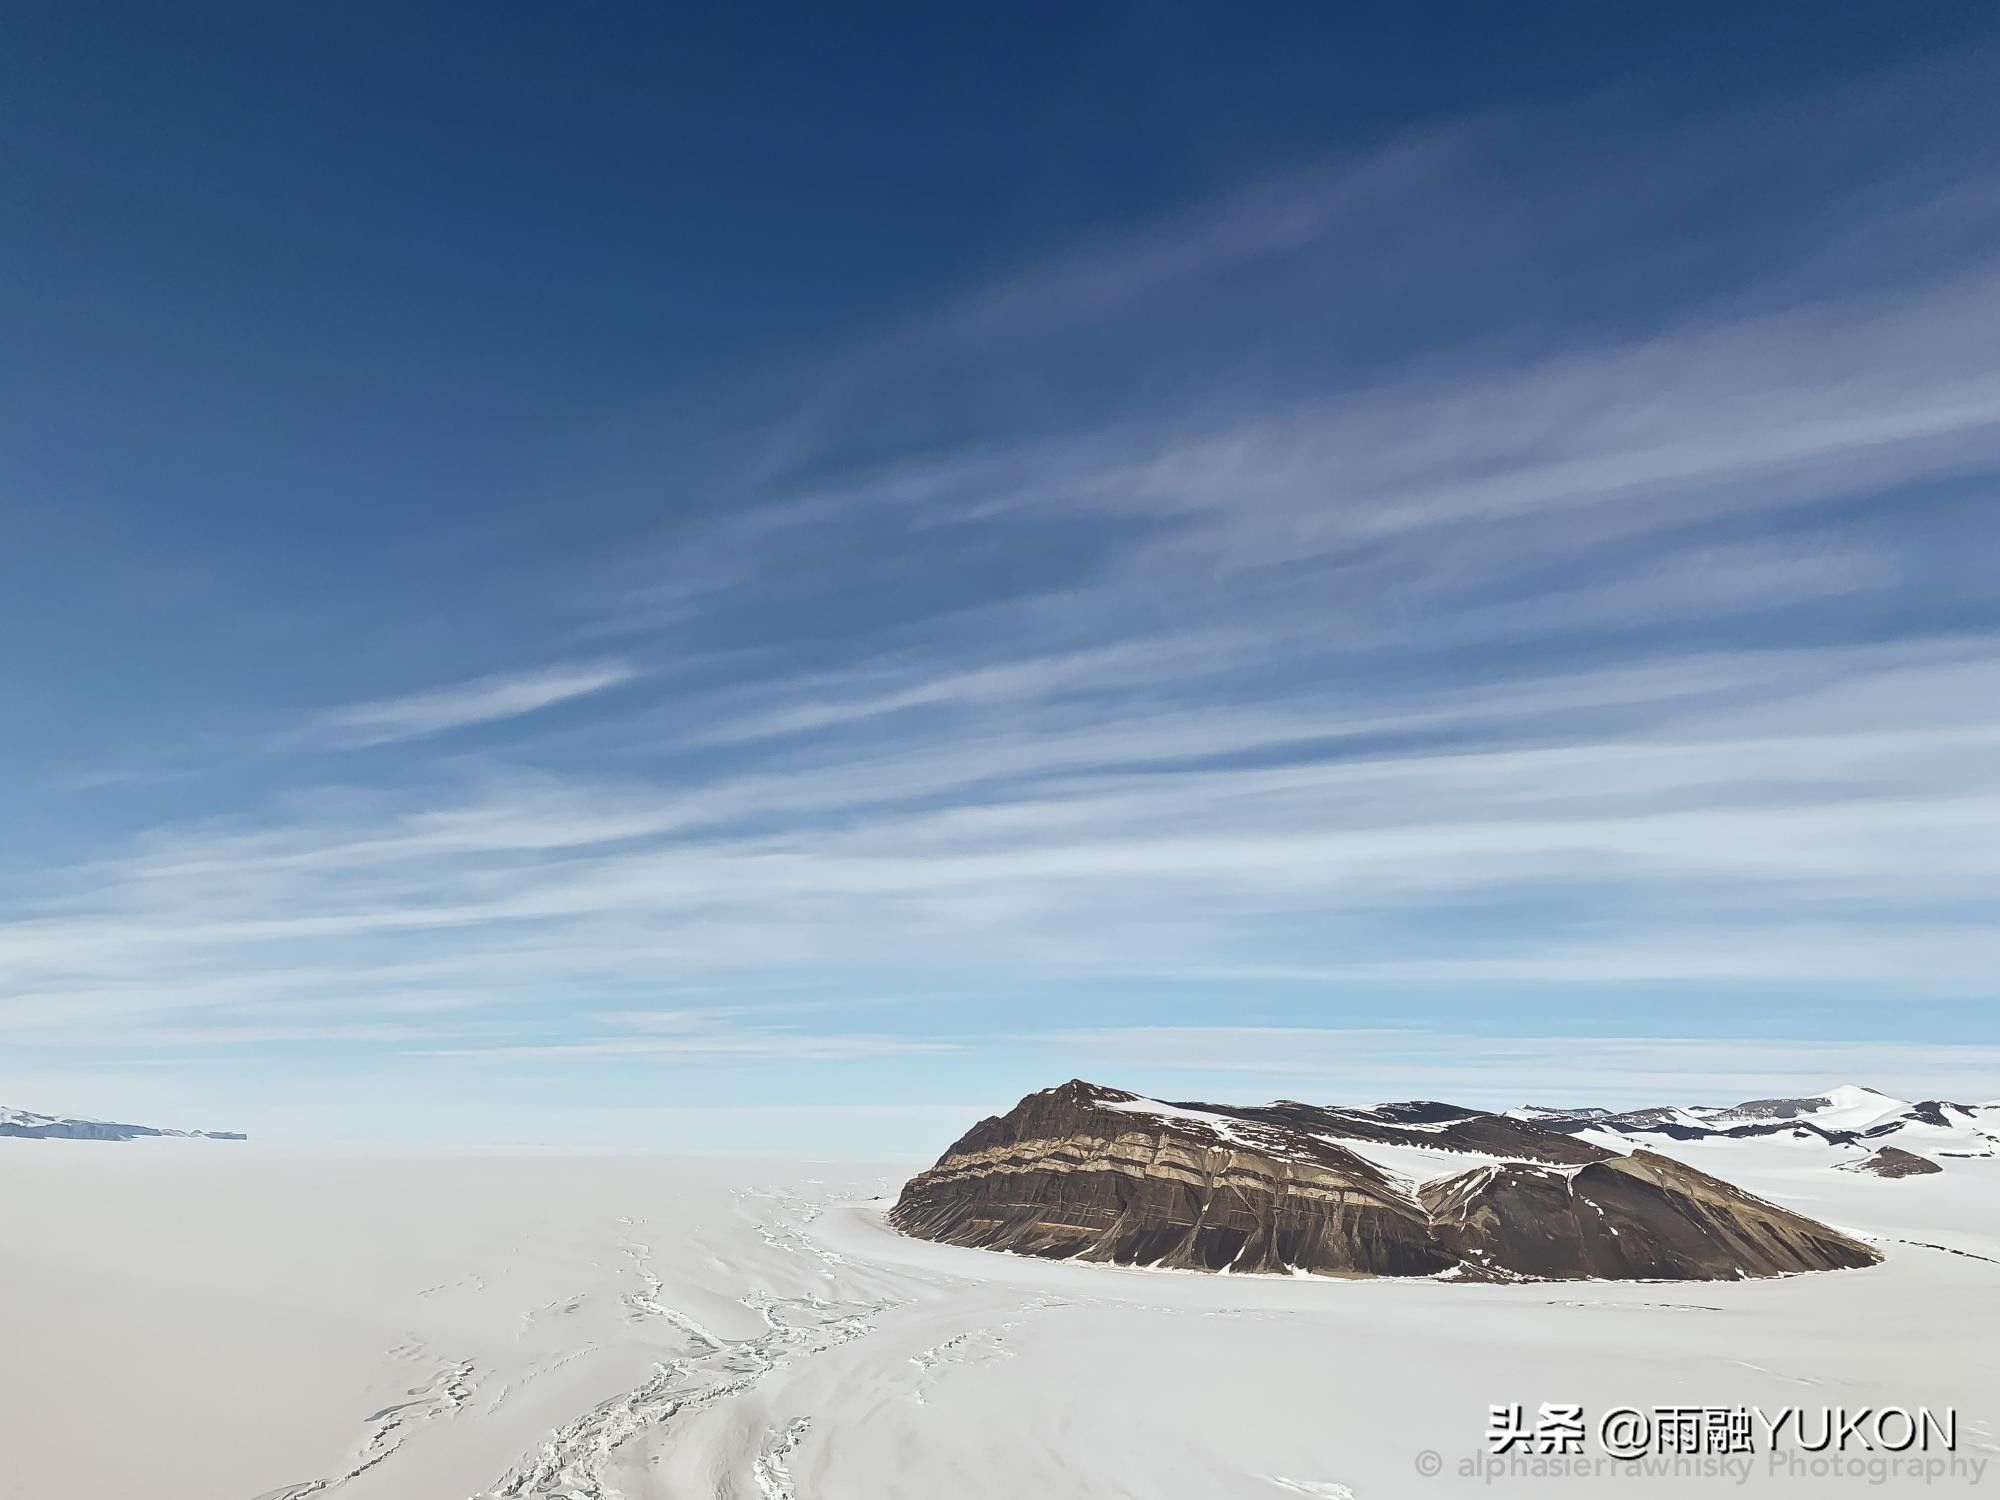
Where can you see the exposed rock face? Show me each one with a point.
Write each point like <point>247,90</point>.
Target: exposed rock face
<point>1627,1218</point>
<point>1414,1189</point>
<point>1894,1161</point>
<point>1067,1173</point>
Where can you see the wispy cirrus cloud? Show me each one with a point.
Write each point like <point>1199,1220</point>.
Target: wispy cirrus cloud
<point>1391,578</point>
<point>1745,819</point>
<point>485,700</point>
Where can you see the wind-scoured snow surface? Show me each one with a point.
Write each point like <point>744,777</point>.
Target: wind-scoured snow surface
<point>190,1325</point>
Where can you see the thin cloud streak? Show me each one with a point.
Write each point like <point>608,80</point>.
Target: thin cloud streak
<point>486,700</point>
<point>1743,785</point>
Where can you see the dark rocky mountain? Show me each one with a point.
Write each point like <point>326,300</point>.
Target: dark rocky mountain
<point>25,1124</point>
<point>1771,1109</point>
<point>1090,1173</point>
<point>1893,1161</point>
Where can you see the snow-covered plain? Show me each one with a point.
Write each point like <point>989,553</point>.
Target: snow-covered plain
<point>191,1321</point>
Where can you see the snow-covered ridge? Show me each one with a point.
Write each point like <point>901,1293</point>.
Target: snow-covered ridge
<point>1411,1162</point>
<point>1421,1141</point>
<point>1247,1134</point>
<point>26,1124</point>
<point>1416,1164</point>
<point>1410,1143</point>
<point>1845,1123</point>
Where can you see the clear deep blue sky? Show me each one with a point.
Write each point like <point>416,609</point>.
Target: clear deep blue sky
<point>577,574</point>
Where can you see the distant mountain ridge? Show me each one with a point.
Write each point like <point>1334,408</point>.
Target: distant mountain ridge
<point>26,1124</point>
<point>1850,1118</point>
<point>1410,1189</point>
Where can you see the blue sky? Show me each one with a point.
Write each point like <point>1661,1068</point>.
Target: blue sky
<point>592,577</point>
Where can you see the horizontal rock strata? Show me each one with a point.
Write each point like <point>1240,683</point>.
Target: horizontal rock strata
<point>1088,1173</point>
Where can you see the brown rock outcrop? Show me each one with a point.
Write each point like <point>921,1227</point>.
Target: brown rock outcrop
<point>1089,1173</point>
<point>1894,1161</point>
